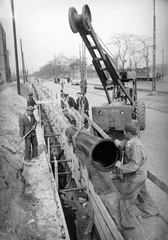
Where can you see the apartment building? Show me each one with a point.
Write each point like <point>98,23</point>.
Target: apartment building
<point>5,73</point>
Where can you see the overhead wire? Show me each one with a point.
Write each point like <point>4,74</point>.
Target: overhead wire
<point>110,55</point>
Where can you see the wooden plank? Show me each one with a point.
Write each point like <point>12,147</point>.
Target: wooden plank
<point>105,228</point>
<point>157,182</point>
<point>71,189</point>
<point>107,218</point>
<point>97,127</point>
<point>99,228</point>
<point>64,173</point>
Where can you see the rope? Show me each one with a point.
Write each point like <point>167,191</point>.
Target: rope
<point>75,136</point>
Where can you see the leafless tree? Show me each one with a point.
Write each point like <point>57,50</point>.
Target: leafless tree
<point>122,43</point>
<point>144,47</point>
<point>130,47</point>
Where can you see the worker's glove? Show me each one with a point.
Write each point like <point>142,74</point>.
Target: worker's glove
<point>118,164</point>
<point>117,142</point>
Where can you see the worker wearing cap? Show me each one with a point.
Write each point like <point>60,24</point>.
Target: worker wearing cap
<point>82,103</point>
<point>70,101</point>
<point>84,215</point>
<point>30,100</point>
<point>27,122</point>
<point>134,169</point>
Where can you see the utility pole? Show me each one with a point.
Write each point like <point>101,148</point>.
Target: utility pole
<point>154,50</point>
<point>163,63</point>
<point>23,68</point>
<point>55,67</point>
<point>15,46</point>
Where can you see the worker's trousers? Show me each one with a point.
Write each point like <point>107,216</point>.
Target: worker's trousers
<point>82,236</point>
<point>31,147</point>
<point>145,203</point>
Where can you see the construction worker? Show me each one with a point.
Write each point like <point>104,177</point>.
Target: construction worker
<point>82,101</point>
<point>135,172</point>
<point>62,99</point>
<point>27,122</point>
<point>1,80</point>
<point>30,100</point>
<point>70,101</point>
<point>84,215</point>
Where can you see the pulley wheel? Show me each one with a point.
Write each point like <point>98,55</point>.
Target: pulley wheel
<point>73,16</point>
<point>86,18</point>
<point>77,21</point>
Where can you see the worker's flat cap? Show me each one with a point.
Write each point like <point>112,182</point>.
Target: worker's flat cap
<point>66,95</point>
<point>30,94</point>
<point>82,194</point>
<point>129,127</point>
<point>30,108</point>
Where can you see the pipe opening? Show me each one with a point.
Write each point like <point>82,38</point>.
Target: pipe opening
<point>104,155</point>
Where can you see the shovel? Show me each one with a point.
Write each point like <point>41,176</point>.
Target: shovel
<point>23,138</point>
<point>12,150</point>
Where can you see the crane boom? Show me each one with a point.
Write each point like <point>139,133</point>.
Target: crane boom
<point>101,61</point>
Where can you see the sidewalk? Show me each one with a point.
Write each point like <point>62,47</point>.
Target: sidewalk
<point>161,86</point>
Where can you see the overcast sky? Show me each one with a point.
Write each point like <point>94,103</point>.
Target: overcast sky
<point>44,28</point>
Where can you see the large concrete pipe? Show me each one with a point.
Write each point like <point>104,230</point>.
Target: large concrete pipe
<point>102,152</point>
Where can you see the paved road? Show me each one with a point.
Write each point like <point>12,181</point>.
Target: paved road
<point>154,137</point>
<point>161,86</point>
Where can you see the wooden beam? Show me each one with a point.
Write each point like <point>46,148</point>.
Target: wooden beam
<point>64,173</point>
<point>157,182</point>
<point>72,189</point>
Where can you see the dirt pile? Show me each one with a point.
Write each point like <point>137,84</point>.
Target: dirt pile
<point>11,179</point>
<point>29,207</point>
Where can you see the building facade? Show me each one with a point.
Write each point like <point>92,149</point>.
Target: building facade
<point>5,73</point>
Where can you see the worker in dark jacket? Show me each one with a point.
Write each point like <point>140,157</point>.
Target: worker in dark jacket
<point>30,100</point>
<point>84,215</point>
<point>135,172</point>
<point>71,102</point>
<point>27,122</point>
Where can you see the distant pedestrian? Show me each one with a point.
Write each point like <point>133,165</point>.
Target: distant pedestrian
<point>62,85</point>
<point>28,122</point>
<point>135,172</point>
<point>1,80</point>
<point>30,100</point>
<point>84,215</point>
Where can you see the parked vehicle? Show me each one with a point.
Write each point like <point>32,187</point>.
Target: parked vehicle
<point>142,74</point>
<point>75,81</point>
